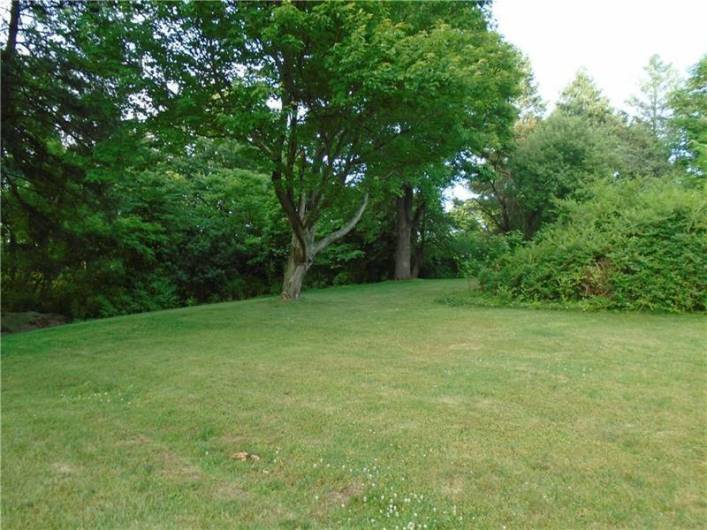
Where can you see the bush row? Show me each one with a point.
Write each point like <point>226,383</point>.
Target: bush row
<point>639,245</point>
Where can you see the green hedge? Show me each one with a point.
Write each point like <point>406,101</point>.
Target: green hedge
<point>635,245</point>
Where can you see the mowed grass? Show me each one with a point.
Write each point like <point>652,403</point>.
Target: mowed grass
<point>368,406</point>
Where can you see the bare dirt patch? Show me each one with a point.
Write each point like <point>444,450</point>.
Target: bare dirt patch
<point>344,495</point>
<point>242,456</point>
<point>177,468</point>
<point>140,439</point>
<point>230,491</point>
<point>64,469</point>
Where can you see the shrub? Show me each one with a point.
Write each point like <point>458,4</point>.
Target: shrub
<point>481,249</point>
<point>635,245</point>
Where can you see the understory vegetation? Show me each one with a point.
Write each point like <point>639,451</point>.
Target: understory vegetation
<point>159,154</point>
<point>634,245</point>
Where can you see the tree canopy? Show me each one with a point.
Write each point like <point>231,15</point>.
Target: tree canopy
<point>156,154</point>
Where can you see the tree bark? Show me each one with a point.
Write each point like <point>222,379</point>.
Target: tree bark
<point>403,236</point>
<point>297,266</point>
<point>408,250</point>
<point>418,227</point>
<point>416,262</point>
<point>8,66</point>
<point>304,248</point>
<point>419,252</point>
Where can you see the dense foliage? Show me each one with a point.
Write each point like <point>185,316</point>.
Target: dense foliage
<point>157,154</point>
<point>611,206</point>
<point>634,245</point>
<point>689,120</point>
<point>554,158</point>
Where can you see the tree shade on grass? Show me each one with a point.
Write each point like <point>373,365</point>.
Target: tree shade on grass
<point>367,407</point>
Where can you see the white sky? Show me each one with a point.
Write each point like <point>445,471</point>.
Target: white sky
<point>612,39</point>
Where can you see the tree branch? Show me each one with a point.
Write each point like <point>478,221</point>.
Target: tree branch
<point>324,242</point>
<point>287,203</point>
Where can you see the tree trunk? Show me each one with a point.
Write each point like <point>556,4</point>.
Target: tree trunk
<point>7,81</point>
<point>294,276</point>
<point>419,253</point>
<point>403,236</point>
<point>418,226</point>
<point>415,272</point>
<point>304,247</point>
<point>297,265</point>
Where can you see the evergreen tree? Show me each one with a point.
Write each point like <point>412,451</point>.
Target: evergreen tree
<point>652,106</point>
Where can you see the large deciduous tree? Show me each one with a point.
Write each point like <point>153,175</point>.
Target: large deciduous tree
<point>469,112</point>
<point>556,157</point>
<point>547,159</point>
<point>335,96</point>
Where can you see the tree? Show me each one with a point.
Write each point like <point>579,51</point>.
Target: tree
<point>547,159</point>
<point>330,93</point>
<point>631,148</point>
<point>636,152</point>
<point>67,73</point>
<point>651,106</point>
<point>489,175</point>
<point>689,120</point>
<point>529,104</point>
<point>582,98</point>
<point>555,161</point>
<point>469,112</point>
<point>221,222</point>
<point>411,212</point>
<point>99,219</point>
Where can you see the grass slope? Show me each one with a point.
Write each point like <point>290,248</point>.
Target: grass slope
<point>368,407</point>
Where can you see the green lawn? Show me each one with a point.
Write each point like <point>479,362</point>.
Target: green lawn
<point>368,406</point>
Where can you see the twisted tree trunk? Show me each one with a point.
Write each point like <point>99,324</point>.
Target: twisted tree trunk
<point>304,248</point>
<point>298,263</point>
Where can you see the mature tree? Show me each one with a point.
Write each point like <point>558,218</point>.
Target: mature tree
<point>546,160</point>
<point>689,120</point>
<point>582,98</point>
<point>95,220</point>
<point>469,112</point>
<point>222,224</point>
<point>636,152</point>
<point>332,94</point>
<point>412,217</point>
<point>529,104</point>
<point>489,176</point>
<point>651,105</point>
<point>67,72</point>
